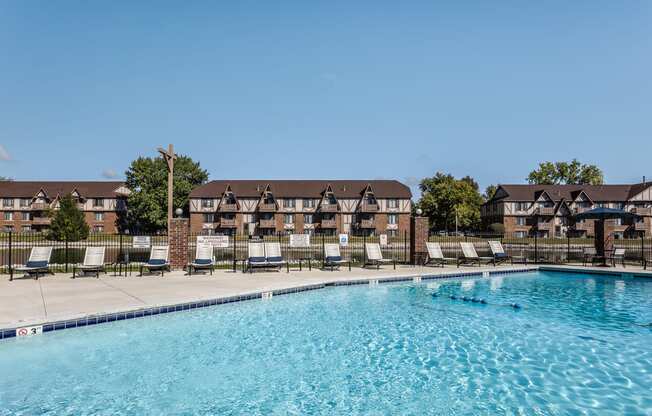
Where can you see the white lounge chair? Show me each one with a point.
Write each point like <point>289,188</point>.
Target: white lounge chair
<point>333,257</point>
<point>273,255</point>
<point>204,259</point>
<point>158,260</point>
<point>470,256</point>
<point>618,255</point>
<point>497,250</point>
<point>93,262</point>
<point>38,262</point>
<point>436,256</point>
<point>375,256</point>
<point>256,256</point>
<point>590,254</point>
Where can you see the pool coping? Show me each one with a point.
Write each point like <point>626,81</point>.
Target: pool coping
<point>141,312</point>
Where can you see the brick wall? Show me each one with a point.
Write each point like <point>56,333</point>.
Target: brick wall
<point>419,228</point>
<point>178,242</point>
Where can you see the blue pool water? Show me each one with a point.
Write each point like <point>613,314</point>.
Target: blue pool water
<point>577,346</point>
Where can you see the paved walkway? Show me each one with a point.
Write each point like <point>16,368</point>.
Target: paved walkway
<point>26,302</point>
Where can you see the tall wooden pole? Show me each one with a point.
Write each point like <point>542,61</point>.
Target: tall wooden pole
<point>169,157</point>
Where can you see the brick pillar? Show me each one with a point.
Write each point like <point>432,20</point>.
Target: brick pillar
<point>178,240</point>
<point>419,228</point>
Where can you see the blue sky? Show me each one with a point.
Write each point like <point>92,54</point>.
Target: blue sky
<point>300,89</point>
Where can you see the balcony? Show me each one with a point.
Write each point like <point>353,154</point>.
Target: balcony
<point>367,224</point>
<point>267,223</point>
<point>227,223</point>
<point>583,225</point>
<point>40,206</point>
<point>545,211</point>
<point>267,207</point>
<point>545,225</point>
<point>579,210</point>
<point>41,220</point>
<point>640,226</point>
<point>328,224</point>
<point>369,207</point>
<point>328,207</point>
<point>228,207</point>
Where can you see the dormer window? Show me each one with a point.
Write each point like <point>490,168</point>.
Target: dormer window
<point>268,198</point>
<point>229,198</point>
<point>24,202</point>
<point>289,203</point>
<point>7,202</point>
<point>98,202</point>
<point>207,203</point>
<point>392,203</point>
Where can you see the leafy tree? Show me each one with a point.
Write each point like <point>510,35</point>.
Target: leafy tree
<point>68,221</point>
<point>489,192</point>
<point>443,198</point>
<point>571,173</point>
<point>147,179</point>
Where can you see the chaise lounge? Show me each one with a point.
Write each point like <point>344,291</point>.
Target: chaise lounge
<point>38,262</point>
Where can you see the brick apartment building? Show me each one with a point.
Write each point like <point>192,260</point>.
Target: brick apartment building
<point>261,207</point>
<point>24,205</point>
<point>548,210</point>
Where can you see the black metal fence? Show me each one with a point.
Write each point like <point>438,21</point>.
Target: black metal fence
<point>536,249</point>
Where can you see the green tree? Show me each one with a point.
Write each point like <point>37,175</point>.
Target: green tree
<point>443,198</point>
<point>489,192</point>
<point>147,179</point>
<point>571,173</point>
<point>68,221</point>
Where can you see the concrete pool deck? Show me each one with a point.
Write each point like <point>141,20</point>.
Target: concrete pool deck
<point>28,302</point>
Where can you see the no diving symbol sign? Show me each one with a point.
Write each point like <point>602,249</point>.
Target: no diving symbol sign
<point>28,331</point>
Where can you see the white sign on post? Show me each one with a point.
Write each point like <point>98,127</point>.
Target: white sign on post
<point>217,241</point>
<point>344,240</point>
<point>383,240</point>
<point>141,242</point>
<point>300,240</point>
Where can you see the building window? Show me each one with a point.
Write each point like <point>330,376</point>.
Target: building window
<point>288,218</point>
<point>98,202</point>
<point>520,234</point>
<point>392,219</point>
<point>618,221</point>
<point>520,206</point>
<point>98,229</point>
<point>207,203</point>
<point>7,202</point>
<point>24,202</point>
<point>9,228</point>
<point>619,205</point>
<point>289,203</point>
<point>26,228</point>
<point>9,216</point>
<point>208,218</point>
<point>392,203</point>
<point>25,216</point>
<point>307,218</point>
<point>520,220</point>
<point>99,216</point>
<point>392,233</point>
<point>308,203</point>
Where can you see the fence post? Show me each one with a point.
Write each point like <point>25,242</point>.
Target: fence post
<point>642,248</point>
<point>66,253</point>
<point>568,248</point>
<point>536,248</point>
<point>364,249</point>
<point>11,268</point>
<point>235,237</point>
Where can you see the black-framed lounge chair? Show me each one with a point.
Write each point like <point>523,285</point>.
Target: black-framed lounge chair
<point>38,262</point>
<point>93,262</point>
<point>645,262</point>
<point>375,256</point>
<point>470,256</point>
<point>158,260</point>
<point>497,250</point>
<point>436,256</point>
<point>618,255</point>
<point>256,256</point>
<point>203,259</point>
<point>333,257</point>
<point>589,255</point>
<point>274,256</point>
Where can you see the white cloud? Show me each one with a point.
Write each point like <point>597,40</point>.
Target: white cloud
<point>4,155</point>
<point>109,174</point>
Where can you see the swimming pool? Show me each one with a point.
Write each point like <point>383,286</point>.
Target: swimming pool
<point>579,343</point>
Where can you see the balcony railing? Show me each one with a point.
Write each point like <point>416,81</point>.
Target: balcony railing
<point>369,207</point>
<point>367,224</point>
<point>328,207</point>
<point>328,224</point>
<point>263,207</point>
<point>640,226</point>
<point>41,220</point>
<point>545,211</point>
<point>544,225</point>
<point>582,225</point>
<point>267,223</point>
<point>227,222</point>
<point>228,208</point>
<point>642,211</point>
<point>40,206</point>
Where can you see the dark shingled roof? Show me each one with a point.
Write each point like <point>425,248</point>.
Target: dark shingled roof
<point>303,189</point>
<point>29,189</point>
<point>570,192</point>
